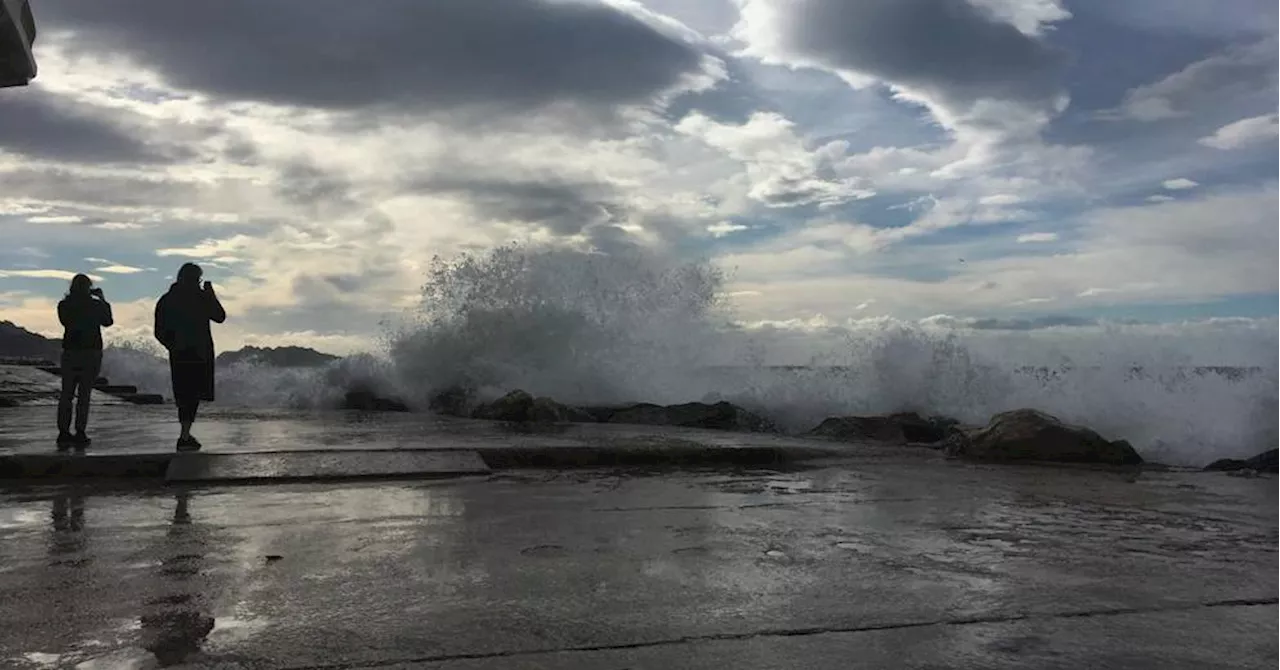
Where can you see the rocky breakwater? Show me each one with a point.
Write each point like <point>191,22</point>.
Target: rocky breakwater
<point>1018,436</point>
<point>522,407</point>
<point>902,428</point>
<point>1030,435</point>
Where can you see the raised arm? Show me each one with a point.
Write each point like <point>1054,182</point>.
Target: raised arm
<point>216,313</point>
<point>105,317</point>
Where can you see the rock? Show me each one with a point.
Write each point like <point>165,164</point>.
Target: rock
<point>900,428</point>
<point>367,401</point>
<point>1263,462</point>
<point>452,401</point>
<point>513,406</point>
<point>601,413</point>
<point>1028,435</point>
<point>718,416</point>
<point>519,406</point>
<point>548,410</point>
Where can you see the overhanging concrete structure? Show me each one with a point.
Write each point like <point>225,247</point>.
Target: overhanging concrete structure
<point>17,35</point>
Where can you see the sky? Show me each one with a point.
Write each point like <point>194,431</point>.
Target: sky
<point>1024,162</point>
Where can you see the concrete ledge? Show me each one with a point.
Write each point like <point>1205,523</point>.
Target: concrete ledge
<point>506,458</point>
<point>384,464</point>
<point>77,466</point>
<point>294,466</point>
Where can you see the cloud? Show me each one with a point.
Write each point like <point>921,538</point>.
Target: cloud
<point>1030,238</point>
<point>44,274</point>
<point>563,207</point>
<point>1117,256</point>
<point>725,228</point>
<point>121,269</point>
<point>981,65</point>
<point>1244,132</point>
<point>394,55</point>
<point>54,219</point>
<point>780,170</point>
<point>1239,73</point>
<point>41,125</point>
<point>1179,184</point>
<point>1160,198</point>
<point>221,251</point>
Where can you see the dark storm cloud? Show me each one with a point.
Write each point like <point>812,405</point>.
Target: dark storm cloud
<point>947,48</point>
<point>97,190</point>
<point>397,54</point>
<point>39,125</point>
<point>306,184</point>
<point>563,207</point>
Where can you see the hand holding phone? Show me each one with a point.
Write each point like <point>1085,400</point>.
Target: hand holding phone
<point>208,286</point>
<point>96,292</point>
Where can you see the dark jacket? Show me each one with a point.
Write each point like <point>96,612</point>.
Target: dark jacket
<point>83,318</point>
<point>182,323</point>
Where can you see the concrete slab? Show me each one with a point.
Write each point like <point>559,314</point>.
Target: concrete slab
<point>313,465</point>
<point>880,564</point>
<point>133,429</point>
<point>30,385</point>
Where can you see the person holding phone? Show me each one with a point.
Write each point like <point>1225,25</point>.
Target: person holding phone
<point>182,319</point>
<point>84,312</point>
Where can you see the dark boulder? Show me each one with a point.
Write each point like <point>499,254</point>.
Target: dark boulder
<point>717,416</point>
<point>366,400</point>
<point>520,406</point>
<point>452,401</point>
<point>1263,462</point>
<point>1028,435</point>
<point>900,428</point>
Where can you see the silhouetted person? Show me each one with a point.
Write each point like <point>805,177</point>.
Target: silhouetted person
<point>84,312</point>
<point>182,326</point>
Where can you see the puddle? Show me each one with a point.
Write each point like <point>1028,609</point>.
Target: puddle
<point>544,550</point>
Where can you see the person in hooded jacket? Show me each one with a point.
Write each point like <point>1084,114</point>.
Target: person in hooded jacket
<point>84,312</point>
<point>182,321</point>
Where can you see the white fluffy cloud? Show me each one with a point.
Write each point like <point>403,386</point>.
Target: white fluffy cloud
<point>1244,132</point>
<point>780,170</point>
<point>1179,184</point>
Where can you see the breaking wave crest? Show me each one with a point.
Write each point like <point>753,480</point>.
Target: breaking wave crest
<point>593,328</point>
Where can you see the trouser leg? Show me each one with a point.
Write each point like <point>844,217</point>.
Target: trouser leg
<point>64,399</point>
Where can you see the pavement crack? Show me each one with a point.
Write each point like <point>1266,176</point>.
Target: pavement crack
<point>796,632</point>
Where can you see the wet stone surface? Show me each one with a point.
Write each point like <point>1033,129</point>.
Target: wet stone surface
<point>869,564</point>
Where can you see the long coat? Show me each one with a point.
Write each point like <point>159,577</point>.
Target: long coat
<point>182,325</point>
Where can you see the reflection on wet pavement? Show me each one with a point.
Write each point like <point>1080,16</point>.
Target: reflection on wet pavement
<point>298,575</point>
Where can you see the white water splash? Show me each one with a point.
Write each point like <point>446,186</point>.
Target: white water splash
<point>591,328</point>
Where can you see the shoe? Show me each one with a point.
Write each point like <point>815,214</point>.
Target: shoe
<point>65,440</point>
<point>80,440</point>
<point>188,444</point>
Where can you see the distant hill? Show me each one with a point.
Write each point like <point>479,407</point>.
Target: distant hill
<point>18,342</point>
<point>279,357</point>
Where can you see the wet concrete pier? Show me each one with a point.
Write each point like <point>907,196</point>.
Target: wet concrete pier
<point>871,563</point>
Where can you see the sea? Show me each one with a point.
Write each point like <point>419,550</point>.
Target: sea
<point>590,328</point>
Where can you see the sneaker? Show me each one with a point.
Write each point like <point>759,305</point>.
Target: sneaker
<point>188,444</point>
<point>81,440</point>
<point>65,440</point>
